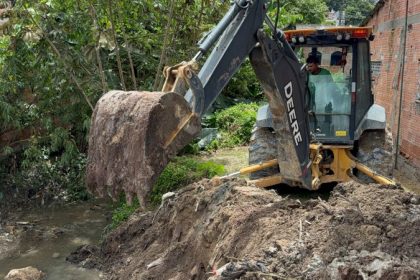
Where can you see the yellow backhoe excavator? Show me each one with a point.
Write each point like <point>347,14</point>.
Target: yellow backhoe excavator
<point>309,133</point>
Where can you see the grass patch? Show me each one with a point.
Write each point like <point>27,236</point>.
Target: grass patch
<point>180,172</point>
<point>123,212</point>
<point>232,159</point>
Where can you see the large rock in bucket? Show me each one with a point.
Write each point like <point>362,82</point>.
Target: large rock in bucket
<point>132,137</point>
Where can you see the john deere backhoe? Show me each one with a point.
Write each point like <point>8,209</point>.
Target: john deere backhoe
<point>306,135</point>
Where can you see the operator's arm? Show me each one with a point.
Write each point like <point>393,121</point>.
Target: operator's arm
<point>326,75</point>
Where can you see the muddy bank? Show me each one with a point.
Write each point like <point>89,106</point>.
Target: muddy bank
<point>229,230</point>
<point>43,237</point>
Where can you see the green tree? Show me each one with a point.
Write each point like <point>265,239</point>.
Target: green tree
<point>58,57</point>
<point>312,11</point>
<point>357,10</point>
<point>292,12</point>
<point>336,5</point>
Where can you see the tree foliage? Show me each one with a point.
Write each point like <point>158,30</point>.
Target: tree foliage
<point>336,5</point>
<point>309,11</point>
<point>356,10</point>
<point>58,57</point>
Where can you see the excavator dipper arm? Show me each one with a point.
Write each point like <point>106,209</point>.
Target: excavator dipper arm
<point>239,37</point>
<point>283,81</point>
<point>134,134</point>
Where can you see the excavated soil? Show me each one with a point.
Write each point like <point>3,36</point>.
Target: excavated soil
<point>130,144</point>
<point>228,230</point>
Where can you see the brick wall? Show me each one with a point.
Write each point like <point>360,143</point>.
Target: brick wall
<point>387,51</point>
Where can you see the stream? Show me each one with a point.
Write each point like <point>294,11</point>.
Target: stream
<point>44,237</point>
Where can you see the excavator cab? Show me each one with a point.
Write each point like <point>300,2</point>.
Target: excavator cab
<point>339,104</point>
<point>339,95</point>
<point>329,93</point>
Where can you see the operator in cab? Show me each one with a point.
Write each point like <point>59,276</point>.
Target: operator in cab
<point>320,84</point>
<point>319,80</point>
<point>312,65</point>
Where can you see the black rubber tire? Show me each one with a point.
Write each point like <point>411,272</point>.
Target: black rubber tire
<point>375,150</point>
<point>262,147</point>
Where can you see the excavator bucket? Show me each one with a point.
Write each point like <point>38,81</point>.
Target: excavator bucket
<point>132,137</point>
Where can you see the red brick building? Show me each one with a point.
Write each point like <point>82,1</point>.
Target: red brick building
<point>388,22</point>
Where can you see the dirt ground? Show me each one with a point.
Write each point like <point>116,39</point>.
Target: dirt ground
<point>217,229</point>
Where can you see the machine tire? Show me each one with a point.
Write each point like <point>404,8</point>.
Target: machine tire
<point>262,147</point>
<point>375,150</point>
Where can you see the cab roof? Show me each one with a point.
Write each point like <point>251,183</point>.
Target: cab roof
<point>328,35</point>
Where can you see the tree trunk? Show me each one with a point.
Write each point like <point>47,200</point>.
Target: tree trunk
<point>117,48</point>
<point>133,74</point>
<point>164,47</point>
<point>98,55</point>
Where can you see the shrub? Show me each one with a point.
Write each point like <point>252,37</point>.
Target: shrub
<point>181,172</point>
<point>244,84</point>
<point>190,149</point>
<point>234,124</point>
<point>43,176</point>
<point>213,146</point>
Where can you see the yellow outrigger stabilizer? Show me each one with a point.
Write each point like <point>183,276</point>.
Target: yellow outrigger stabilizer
<point>278,179</point>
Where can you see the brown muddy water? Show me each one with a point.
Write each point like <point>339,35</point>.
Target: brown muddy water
<point>43,238</point>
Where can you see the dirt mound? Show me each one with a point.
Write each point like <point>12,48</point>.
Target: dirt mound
<point>228,230</point>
